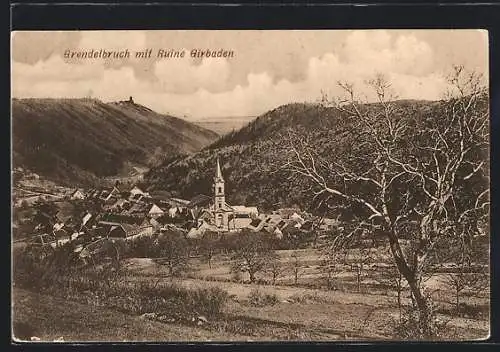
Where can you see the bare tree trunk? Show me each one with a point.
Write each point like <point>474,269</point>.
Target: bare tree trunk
<point>399,305</point>
<point>412,277</point>
<point>424,312</point>
<point>399,289</point>
<point>252,276</point>
<point>358,277</point>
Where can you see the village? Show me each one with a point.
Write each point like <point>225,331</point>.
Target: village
<point>126,211</point>
<point>318,186</point>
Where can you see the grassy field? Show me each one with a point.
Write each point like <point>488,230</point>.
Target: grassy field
<point>324,314</point>
<point>302,312</point>
<point>52,318</point>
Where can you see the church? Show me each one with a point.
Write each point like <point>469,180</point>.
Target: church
<point>223,216</point>
<point>221,211</point>
<point>218,215</point>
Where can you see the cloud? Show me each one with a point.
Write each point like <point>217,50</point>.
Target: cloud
<point>113,40</point>
<point>55,68</point>
<point>183,87</point>
<point>182,76</point>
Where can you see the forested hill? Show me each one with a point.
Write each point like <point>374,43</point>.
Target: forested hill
<point>80,140</point>
<point>252,158</point>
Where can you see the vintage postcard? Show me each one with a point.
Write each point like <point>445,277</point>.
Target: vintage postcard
<point>256,185</point>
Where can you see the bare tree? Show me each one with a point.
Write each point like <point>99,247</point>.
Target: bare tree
<point>296,266</point>
<point>408,171</point>
<point>275,268</point>
<point>391,277</point>
<point>251,254</point>
<point>208,246</point>
<point>332,265</point>
<point>360,259</point>
<point>468,273</point>
<point>174,251</point>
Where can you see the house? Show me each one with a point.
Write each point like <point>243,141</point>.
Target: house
<point>123,189</point>
<point>171,228</point>
<point>328,224</point>
<point>92,193</point>
<point>109,195</point>
<point>57,226</point>
<point>136,197</point>
<point>142,230</point>
<point>122,230</point>
<point>155,223</point>
<point>277,232</point>
<point>138,173</point>
<point>288,226</point>
<point>86,218</point>
<point>205,215</point>
<point>155,211</point>
<point>273,219</point>
<point>139,208</point>
<point>307,226</point>
<point>286,213</point>
<point>257,224</point>
<point>239,223</point>
<point>111,229</point>
<point>65,212</point>
<point>244,210</point>
<point>160,196</point>
<point>172,212</point>
<point>197,232</point>
<point>180,202</point>
<point>119,204</point>
<point>137,191</point>
<point>77,194</point>
<point>296,217</point>
<point>61,235</point>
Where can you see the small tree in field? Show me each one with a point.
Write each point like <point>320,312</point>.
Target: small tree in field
<point>391,277</point>
<point>407,171</point>
<point>252,254</point>
<point>174,252</point>
<point>361,257</point>
<point>275,268</point>
<point>333,264</point>
<point>208,246</point>
<point>296,266</point>
<point>470,270</point>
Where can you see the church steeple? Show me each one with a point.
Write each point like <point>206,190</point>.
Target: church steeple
<point>219,195</point>
<point>218,172</point>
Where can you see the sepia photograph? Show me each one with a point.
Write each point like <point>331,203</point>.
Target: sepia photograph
<point>250,185</point>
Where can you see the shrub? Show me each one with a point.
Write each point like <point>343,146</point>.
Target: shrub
<point>466,310</point>
<point>409,326</point>
<point>307,298</point>
<point>257,298</point>
<point>106,285</point>
<point>142,247</point>
<point>208,301</point>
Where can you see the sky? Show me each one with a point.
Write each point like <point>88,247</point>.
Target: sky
<point>267,69</point>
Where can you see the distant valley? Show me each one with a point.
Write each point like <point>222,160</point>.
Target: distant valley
<point>224,125</point>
